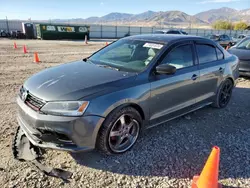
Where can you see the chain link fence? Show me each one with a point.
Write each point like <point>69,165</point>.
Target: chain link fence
<point>105,31</point>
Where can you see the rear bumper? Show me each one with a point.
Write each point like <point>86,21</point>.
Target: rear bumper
<point>57,132</point>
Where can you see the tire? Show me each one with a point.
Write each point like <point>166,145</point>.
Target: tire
<point>105,141</point>
<point>220,100</point>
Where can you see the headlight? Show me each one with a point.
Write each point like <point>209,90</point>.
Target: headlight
<point>65,108</point>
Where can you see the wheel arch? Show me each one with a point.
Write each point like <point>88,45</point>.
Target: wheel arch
<point>231,79</point>
<point>129,104</point>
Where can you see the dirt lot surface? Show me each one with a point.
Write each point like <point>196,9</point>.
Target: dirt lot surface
<point>165,156</point>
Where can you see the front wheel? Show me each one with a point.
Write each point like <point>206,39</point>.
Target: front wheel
<point>224,94</point>
<point>119,131</point>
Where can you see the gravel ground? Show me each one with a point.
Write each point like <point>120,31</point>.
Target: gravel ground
<point>165,156</point>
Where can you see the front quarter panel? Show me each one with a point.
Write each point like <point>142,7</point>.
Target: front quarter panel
<point>137,94</point>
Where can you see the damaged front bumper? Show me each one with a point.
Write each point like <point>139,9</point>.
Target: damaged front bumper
<point>58,132</point>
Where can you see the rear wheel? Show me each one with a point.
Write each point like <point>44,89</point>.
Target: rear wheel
<point>224,94</point>
<point>119,131</point>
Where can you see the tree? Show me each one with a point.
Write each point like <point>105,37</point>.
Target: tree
<point>240,26</point>
<point>220,24</point>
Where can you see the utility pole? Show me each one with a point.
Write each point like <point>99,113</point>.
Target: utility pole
<point>7,24</point>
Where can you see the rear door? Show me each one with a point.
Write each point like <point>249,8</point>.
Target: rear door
<point>212,66</point>
<point>172,95</point>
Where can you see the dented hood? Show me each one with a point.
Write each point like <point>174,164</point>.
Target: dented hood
<point>73,81</point>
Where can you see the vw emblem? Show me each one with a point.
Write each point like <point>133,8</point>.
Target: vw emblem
<point>24,95</point>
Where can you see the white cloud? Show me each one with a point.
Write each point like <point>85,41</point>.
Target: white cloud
<point>102,3</point>
<point>217,1</point>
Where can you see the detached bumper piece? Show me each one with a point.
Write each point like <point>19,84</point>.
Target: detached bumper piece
<point>24,150</point>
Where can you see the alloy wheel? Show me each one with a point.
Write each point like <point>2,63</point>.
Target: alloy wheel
<point>226,93</point>
<point>123,133</point>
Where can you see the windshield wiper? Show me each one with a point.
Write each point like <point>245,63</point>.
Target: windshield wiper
<point>109,67</point>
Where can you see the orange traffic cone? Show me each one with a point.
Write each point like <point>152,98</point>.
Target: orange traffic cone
<point>36,58</point>
<point>209,175</point>
<point>107,43</point>
<point>15,46</point>
<point>24,49</point>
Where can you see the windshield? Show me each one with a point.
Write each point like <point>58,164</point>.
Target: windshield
<point>127,55</point>
<point>159,32</point>
<point>214,37</point>
<point>245,44</point>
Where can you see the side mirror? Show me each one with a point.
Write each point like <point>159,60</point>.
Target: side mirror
<point>165,69</point>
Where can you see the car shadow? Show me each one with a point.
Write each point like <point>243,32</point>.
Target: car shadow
<point>180,148</point>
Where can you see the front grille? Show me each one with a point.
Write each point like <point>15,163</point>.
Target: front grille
<point>29,99</point>
<point>34,102</point>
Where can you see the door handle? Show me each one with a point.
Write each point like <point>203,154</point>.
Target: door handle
<point>221,70</point>
<point>194,77</point>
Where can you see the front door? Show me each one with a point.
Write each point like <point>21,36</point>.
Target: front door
<point>172,95</point>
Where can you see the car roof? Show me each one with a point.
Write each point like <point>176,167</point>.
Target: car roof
<point>163,38</point>
<point>166,30</point>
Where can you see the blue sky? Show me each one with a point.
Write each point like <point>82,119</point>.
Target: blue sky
<point>52,9</point>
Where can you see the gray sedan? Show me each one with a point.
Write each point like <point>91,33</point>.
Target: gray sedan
<point>242,50</point>
<point>138,82</point>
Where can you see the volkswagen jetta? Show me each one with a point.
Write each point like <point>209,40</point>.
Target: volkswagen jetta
<point>105,100</point>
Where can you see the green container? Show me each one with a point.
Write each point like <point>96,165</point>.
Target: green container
<point>57,32</point>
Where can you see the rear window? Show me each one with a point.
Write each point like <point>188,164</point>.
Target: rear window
<point>244,44</point>
<point>158,32</point>
<point>213,37</point>
<point>206,53</point>
<point>173,32</point>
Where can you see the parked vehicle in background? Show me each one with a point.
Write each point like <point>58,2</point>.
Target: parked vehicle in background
<point>240,37</point>
<point>242,50</point>
<point>137,82</point>
<point>20,35</point>
<point>4,33</point>
<point>127,34</point>
<point>223,40</point>
<point>17,34</point>
<point>171,31</point>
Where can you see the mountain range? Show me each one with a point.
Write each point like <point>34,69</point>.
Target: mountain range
<point>151,18</point>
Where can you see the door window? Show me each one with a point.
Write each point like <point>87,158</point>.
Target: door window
<point>206,53</point>
<point>220,55</point>
<point>180,57</point>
